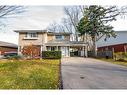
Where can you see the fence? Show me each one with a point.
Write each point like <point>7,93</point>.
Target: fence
<point>101,54</point>
<point>105,54</point>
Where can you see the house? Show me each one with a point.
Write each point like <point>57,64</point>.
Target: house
<point>115,48</point>
<point>118,44</point>
<point>50,41</point>
<point>6,47</point>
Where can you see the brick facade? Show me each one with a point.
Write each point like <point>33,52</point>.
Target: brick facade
<point>4,49</point>
<point>115,48</point>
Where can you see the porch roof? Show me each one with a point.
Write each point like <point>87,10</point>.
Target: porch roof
<point>66,43</point>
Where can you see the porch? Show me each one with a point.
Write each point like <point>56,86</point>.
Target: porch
<point>68,48</point>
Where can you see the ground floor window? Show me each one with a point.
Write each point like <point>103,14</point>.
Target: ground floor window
<point>59,48</point>
<point>52,48</point>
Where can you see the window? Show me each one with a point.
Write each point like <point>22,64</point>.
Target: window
<point>59,37</point>
<point>52,48</point>
<point>31,35</point>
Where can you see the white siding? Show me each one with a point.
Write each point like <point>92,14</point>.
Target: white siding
<point>120,38</point>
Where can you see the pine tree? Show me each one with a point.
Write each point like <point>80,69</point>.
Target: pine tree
<point>95,22</point>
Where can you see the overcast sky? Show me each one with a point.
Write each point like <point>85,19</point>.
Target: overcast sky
<point>35,17</point>
<point>39,17</point>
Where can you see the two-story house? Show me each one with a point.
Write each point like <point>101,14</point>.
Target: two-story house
<point>50,41</point>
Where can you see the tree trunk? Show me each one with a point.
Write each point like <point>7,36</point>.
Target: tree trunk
<point>94,46</point>
<point>76,36</point>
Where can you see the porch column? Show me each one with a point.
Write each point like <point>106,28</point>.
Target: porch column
<point>41,51</point>
<point>41,48</point>
<point>113,53</point>
<point>125,49</point>
<point>82,53</point>
<point>56,48</point>
<point>86,55</point>
<point>68,51</point>
<point>20,50</point>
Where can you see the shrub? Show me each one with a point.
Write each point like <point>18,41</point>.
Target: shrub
<point>51,54</point>
<point>122,60</point>
<point>10,54</point>
<point>120,56</point>
<point>126,54</point>
<point>15,57</point>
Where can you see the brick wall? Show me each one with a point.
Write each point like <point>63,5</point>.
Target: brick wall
<point>7,49</point>
<point>117,48</point>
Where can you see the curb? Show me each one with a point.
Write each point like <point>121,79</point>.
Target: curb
<point>60,77</point>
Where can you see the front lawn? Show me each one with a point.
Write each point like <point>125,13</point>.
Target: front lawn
<point>35,74</point>
<point>113,61</point>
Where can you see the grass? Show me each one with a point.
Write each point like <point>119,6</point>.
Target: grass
<point>35,74</point>
<point>114,62</point>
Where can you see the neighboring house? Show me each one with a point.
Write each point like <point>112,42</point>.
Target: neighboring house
<point>115,48</point>
<point>6,47</point>
<point>118,44</point>
<point>50,41</point>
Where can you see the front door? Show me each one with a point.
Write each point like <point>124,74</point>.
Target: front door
<point>65,51</point>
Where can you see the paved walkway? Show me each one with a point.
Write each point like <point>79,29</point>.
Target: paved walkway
<point>87,73</point>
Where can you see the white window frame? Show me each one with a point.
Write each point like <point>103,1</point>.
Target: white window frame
<point>32,35</point>
<point>62,37</point>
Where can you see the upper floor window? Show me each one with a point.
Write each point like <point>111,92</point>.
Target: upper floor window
<point>59,37</point>
<point>31,35</point>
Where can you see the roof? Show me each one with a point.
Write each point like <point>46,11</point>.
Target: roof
<point>22,31</point>
<point>65,43</point>
<point>112,45</point>
<point>6,44</point>
<point>59,33</point>
<point>121,31</point>
<point>43,31</point>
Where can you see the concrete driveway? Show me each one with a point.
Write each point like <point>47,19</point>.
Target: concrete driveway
<point>88,73</point>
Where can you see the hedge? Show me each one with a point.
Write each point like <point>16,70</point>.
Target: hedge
<point>51,54</point>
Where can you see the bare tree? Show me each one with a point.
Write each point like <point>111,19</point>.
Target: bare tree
<point>67,25</point>
<point>73,14</point>
<point>52,27</point>
<point>9,12</point>
<point>69,22</point>
<point>56,27</point>
<point>60,28</point>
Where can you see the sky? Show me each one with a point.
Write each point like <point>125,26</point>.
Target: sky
<point>34,17</point>
<point>38,18</point>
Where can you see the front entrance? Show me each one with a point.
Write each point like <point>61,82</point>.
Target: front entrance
<point>65,51</point>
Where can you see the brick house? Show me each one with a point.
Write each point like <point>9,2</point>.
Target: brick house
<point>118,44</point>
<point>50,41</point>
<point>7,47</point>
<point>115,48</point>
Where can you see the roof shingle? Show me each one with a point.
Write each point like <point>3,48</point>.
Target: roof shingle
<point>6,44</point>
